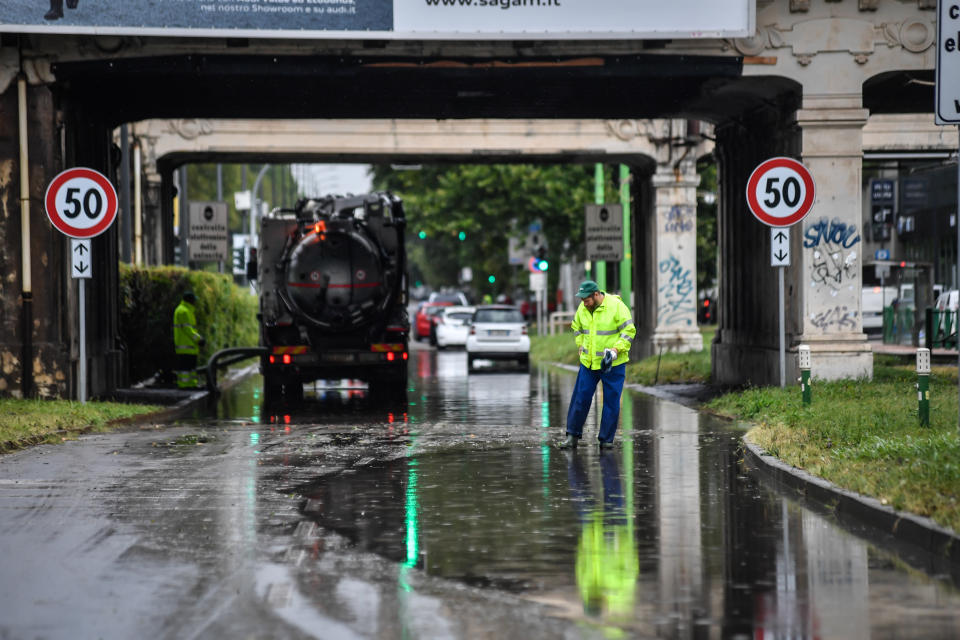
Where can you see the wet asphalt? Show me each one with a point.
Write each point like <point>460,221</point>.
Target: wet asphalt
<point>451,515</point>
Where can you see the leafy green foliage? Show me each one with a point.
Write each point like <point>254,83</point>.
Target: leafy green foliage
<point>278,188</point>
<point>707,227</point>
<point>488,203</point>
<point>226,314</point>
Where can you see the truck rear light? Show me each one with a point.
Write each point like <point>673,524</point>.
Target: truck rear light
<point>286,358</point>
<point>405,355</point>
<point>391,356</point>
<point>273,359</point>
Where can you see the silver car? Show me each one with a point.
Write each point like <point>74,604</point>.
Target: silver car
<point>498,332</point>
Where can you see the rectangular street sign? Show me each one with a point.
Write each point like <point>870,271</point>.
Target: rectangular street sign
<point>207,233</point>
<point>538,281</point>
<point>604,232</point>
<point>779,246</point>
<point>947,108</point>
<point>81,264</point>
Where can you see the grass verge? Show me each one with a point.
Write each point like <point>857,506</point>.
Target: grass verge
<point>865,436</point>
<point>28,422</point>
<point>659,369</point>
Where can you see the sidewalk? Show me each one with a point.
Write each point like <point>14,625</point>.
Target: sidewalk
<point>940,355</point>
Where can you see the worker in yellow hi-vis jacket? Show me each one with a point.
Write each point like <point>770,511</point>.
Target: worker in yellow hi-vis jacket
<point>604,330</point>
<point>186,341</point>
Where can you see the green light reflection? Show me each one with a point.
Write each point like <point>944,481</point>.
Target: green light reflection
<point>412,521</point>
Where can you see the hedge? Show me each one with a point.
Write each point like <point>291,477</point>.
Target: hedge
<point>226,315</point>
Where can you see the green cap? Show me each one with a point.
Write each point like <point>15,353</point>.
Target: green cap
<point>189,297</point>
<point>587,288</point>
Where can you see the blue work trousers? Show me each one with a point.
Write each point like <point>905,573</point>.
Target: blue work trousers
<point>587,380</point>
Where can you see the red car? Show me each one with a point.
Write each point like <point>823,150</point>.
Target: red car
<point>424,318</point>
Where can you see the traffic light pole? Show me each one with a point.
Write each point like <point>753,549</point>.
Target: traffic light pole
<point>600,267</point>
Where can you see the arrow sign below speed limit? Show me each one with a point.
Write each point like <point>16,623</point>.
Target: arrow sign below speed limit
<point>81,202</point>
<point>780,192</point>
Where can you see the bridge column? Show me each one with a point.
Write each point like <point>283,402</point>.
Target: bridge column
<point>831,247</point>
<point>675,242</point>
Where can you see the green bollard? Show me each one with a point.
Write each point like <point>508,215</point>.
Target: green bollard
<point>803,360</point>
<point>923,386</point>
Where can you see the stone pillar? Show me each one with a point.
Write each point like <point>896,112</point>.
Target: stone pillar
<point>831,250</point>
<point>675,238</point>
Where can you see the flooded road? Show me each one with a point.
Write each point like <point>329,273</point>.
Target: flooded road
<point>453,515</point>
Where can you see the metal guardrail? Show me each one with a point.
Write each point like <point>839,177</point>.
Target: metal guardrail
<point>559,320</point>
<point>226,357</point>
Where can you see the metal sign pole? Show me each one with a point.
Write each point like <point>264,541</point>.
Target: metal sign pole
<point>783,355</point>
<point>82,365</point>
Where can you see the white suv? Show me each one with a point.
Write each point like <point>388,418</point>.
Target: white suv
<point>498,332</point>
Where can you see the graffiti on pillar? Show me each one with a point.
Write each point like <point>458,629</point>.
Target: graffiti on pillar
<point>680,218</point>
<point>676,294</point>
<point>834,262</point>
<point>835,232</point>
<point>836,317</point>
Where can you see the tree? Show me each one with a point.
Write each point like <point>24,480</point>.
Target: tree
<point>707,225</point>
<point>277,187</point>
<point>488,203</point>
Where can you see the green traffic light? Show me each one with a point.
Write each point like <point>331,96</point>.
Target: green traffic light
<point>462,236</point>
<point>492,279</point>
<point>422,235</point>
<point>543,265</point>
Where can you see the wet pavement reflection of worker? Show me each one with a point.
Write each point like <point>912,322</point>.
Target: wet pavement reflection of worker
<point>607,565</point>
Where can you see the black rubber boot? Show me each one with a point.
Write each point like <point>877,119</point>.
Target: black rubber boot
<point>570,442</point>
<point>56,10</point>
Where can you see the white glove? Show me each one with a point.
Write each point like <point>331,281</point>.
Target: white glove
<point>581,350</point>
<point>612,351</point>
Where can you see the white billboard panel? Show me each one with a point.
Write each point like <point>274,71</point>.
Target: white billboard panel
<point>387,19</point>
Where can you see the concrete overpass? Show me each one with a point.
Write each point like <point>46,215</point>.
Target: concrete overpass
<point>661,153</point>
<point>804,85</point>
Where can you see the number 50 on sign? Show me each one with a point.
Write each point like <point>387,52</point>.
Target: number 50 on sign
<point>81,202</point>
<point>780,192</point>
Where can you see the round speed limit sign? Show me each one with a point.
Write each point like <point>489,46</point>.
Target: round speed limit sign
<point>780,192</point>
<point>81,202</point>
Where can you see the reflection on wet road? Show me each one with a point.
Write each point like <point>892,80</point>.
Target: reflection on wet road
<point>451,515</point>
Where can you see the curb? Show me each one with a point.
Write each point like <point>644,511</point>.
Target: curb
<point>188,402</point>
<point>939,545</point>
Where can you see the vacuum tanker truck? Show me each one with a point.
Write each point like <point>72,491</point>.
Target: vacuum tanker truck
<point>332,280</point>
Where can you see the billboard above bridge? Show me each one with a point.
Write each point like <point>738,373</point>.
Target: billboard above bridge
<point>386,19</point>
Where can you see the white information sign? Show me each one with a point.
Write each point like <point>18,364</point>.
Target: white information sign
<point>779,247</point>
<point>207,233</point>
<point>948,62</point>
<point>604,232</point>
<point>538,281</point>
<point>80,258</point>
